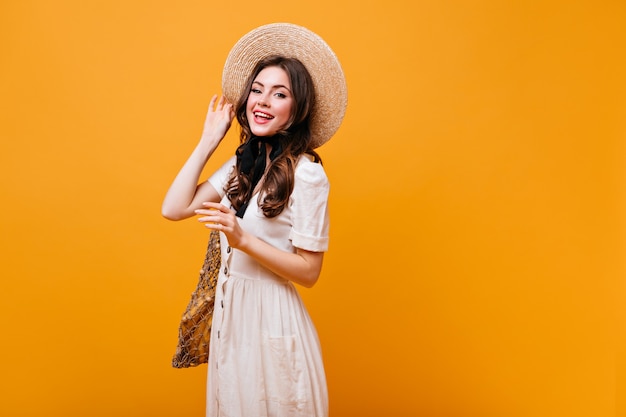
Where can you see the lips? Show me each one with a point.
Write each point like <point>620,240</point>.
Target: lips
<point>261,118</point>
<point>263,115</point>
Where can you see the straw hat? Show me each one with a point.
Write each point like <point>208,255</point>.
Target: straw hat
<point>292,41</point>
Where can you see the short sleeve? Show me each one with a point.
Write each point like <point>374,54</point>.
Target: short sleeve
<point>309,206</point>
<point>220,177</point>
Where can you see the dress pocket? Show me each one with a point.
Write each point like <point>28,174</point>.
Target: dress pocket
<point>286,386</point>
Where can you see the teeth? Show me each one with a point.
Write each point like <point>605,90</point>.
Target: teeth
<point>263,115</point>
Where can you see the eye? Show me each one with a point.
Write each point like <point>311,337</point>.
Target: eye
<point>255,91</point>
<point>281,95</point>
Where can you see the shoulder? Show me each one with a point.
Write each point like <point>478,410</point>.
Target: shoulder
<point>310,172</point>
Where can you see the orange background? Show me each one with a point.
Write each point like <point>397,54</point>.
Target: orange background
<point>477,204</point>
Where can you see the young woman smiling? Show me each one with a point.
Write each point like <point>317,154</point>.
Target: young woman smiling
<point>270,204</point>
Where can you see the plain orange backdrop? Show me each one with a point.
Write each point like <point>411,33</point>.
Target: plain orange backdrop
<point>477,203</point>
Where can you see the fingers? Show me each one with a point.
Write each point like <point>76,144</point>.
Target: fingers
<point>210,214</point>
<point>222,104</point>
<point>214,213</point>
<point>210,219</point>
<point>217,216</point>
<point>216,206</point>
<point>212,102</point>
<point>227,107</point>
<point>231,111</point>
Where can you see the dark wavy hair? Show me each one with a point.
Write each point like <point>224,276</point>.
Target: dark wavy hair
<point>295,140</point>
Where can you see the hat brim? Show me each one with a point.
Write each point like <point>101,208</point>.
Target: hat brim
<point>292,41</point>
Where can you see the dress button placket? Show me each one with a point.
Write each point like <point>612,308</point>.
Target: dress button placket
<point>228,258</point>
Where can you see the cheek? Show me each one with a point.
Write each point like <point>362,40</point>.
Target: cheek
<point>286,110</point>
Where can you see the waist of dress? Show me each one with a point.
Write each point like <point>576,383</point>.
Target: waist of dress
<point>271,279</point>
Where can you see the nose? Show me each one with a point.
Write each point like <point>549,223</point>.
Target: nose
<point>263,101</point>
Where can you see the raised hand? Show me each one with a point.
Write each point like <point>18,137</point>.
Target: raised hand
<point>186,192</point>
<point>218,118</point>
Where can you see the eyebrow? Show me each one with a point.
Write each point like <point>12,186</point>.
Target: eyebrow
<point>274,87</point>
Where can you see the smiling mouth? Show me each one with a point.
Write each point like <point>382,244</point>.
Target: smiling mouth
<point>263,115</point>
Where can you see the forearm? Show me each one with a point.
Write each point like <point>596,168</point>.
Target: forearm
<point>302,267</point>
<point>179,201</point>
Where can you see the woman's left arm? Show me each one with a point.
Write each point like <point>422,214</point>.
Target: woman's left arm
<point>302,267</point>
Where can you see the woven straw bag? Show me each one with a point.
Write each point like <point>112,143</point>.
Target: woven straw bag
<point>194,333</point>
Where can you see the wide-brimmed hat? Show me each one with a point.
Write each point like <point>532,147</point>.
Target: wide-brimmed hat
<point>292,41</point>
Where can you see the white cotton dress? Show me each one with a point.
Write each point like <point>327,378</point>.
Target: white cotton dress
<point>265,358</point>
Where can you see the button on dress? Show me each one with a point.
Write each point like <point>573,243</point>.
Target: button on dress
<point>265,358</point>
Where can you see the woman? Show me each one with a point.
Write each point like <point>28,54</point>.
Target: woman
<point>270,203</point>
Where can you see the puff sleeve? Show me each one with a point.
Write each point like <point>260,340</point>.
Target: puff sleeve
<point>309,207</point>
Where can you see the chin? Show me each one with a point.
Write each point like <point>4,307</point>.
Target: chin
<point>263,132</point>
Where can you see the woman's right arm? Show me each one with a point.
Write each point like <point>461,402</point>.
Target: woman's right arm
<point>185,194</point>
